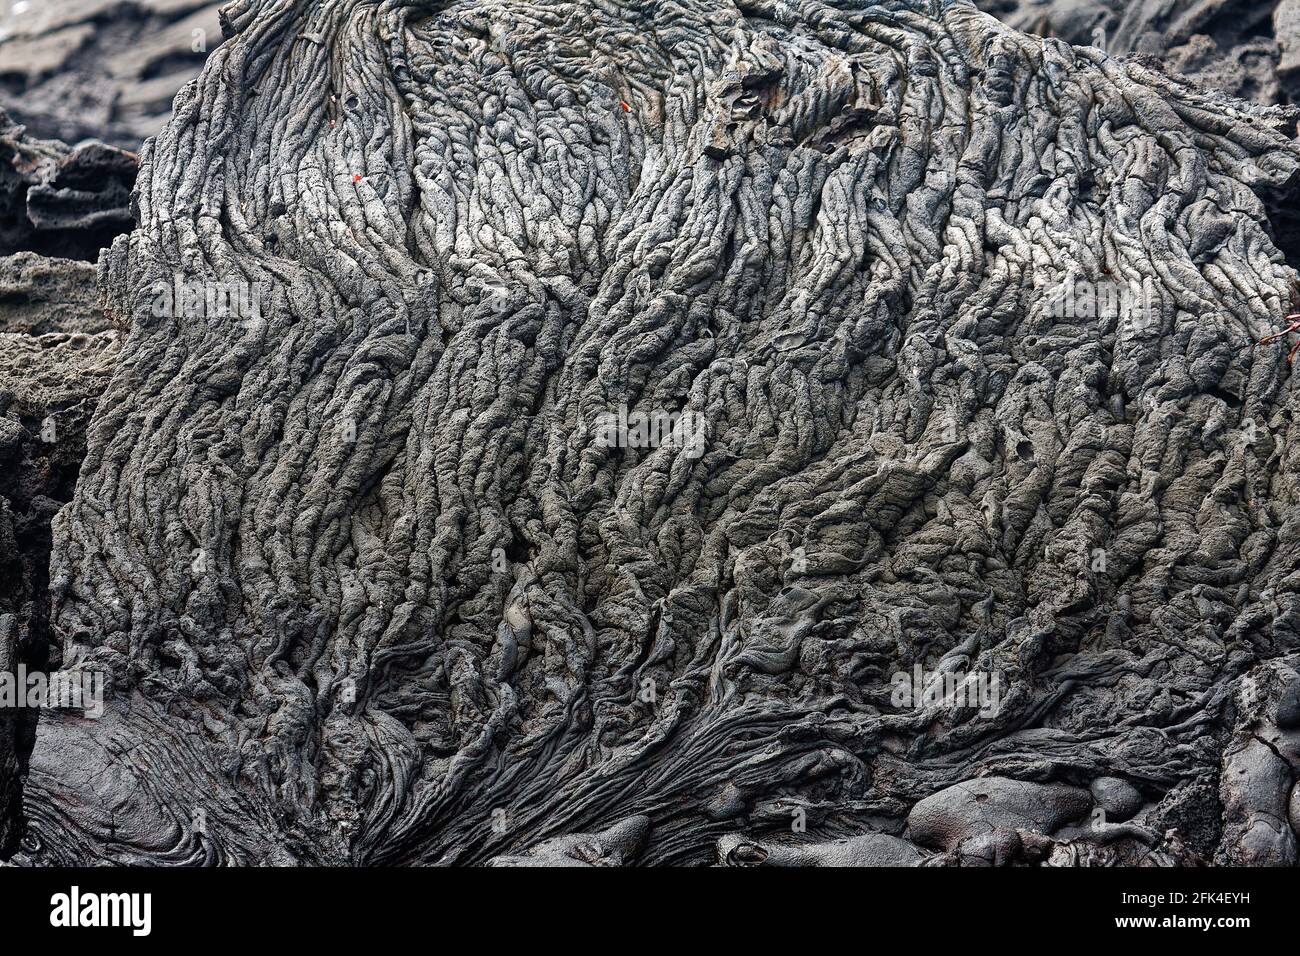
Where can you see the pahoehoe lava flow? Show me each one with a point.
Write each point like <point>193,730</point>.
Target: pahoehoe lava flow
<point>386,570</point>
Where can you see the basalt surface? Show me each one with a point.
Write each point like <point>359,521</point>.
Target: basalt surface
<point>108,69</point>
<point>57,351</point>
<point>58,206</point>
<point>100,69</point>
<point>1248,48</point>
<point>370,587</point>
<point>61,202</point>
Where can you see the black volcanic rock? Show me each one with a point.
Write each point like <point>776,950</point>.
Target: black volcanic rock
<point>60,201</point>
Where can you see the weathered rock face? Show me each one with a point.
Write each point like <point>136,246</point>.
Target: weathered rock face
<point>40,295</point>
<point>100,69</point>
<point>624,401</point>
<point>49,385</point>
<point>108,69</point>
<point>58,205</point>
<point>56,356</point>
<point>58,201</point>
<point>1242,47</point>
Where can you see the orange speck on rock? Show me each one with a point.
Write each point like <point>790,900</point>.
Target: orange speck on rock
<point>356,177</point>
<point>626,108</point>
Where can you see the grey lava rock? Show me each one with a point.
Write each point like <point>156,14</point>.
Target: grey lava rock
<point>40,295</point>
<point>871,849</point>
<point>101,69</point>
<point>567,433</point>
<point>1288,707</point>
<point>614,846</point>
<point>1293,810</point>
<point>1245,48</point>
<point>10,782</point>
<point>1255,790</point>
<point>1119,798</point>
<point>56,357</point>
<point>976,808</point>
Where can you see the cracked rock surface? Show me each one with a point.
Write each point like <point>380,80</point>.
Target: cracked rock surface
<point>371,585</point>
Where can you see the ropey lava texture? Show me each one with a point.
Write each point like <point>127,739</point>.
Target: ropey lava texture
<point>1249,48</point>
<point>371,590</point>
